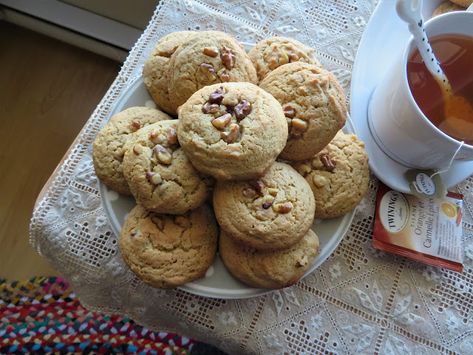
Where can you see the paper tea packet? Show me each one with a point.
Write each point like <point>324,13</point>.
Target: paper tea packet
<point>428,230</point>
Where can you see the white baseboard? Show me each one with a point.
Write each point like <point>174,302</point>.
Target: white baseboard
<point>77,20</point>
<point>73,25</point>
<point>64,35</point>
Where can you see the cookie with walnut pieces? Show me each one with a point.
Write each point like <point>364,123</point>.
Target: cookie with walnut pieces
<point>156,67</point>
<point>338,176</point>
<point>109,144</point>
<point>463,3</point>
<point>271,53</point>
<point>273,212</point>
<point>232,131</point>
<point>159,174</point>
<point>313,103</point>
<point>168,251</point>
<point>209,58</point>
<point>446,7</point>
<point>269,268</point>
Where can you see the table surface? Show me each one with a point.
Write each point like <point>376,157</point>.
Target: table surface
<point>360,300</point>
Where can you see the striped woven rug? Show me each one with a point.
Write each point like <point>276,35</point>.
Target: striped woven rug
<point>43,315</point>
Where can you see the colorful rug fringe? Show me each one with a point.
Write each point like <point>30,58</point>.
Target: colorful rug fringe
<point>43,315</point>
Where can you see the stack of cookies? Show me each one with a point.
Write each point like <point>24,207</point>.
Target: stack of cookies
<point>269,158</point>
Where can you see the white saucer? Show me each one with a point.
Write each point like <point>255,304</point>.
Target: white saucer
<point>383,39</point>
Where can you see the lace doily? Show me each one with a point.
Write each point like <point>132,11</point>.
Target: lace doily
<point>360,300</point>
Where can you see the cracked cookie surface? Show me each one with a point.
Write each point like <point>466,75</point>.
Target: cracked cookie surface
<point>271,53</point>
<point>211,57</point>
<point>168,251</point>
<point>338,176</point>
<point>271,268</point>
<point>232,130</point>
<point>160,176</point>
<point>313,103</point>
<point>109,144</point>
<point>272,212</point>
<point>155,69</point>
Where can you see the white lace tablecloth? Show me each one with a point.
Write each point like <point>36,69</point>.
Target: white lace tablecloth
<point>360,300</point>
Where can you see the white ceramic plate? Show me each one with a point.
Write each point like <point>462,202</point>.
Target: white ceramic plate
<point>218,283</point>
<point>382,41</point>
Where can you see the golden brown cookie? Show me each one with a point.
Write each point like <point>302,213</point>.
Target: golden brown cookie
<point>159,174</point>
<point>168,251</point>
<point>209,58</point>
<point>463,3</point>
<point>273,212</point>
<point>314,105</point>
<point>270,268</point>
<point>445,7</point>
<point>109,144</point>
<point>271,53</point>
<point>232,131</point>
<point>338,176</point>
<point>156,67</point>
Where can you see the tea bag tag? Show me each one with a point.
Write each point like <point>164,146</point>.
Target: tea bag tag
<point>425,183</point>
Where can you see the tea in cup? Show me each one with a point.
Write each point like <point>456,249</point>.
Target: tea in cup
<point>407,111</point>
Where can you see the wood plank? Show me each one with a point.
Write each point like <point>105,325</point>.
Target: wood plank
<point>48,91</point>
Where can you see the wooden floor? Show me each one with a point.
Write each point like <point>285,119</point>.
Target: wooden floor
<point>48,90</point>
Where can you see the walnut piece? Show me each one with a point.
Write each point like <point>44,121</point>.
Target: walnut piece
<point>167,53</point>
<point>282,207</point>
<point>210,51</point>
<point>242,109</point>
<point>232,135</point>
<point>162,154</point>
<point>172,136</point>
<point>283,58</point>
<point>299,125</point>
<point>302,91</point>
<point>230,101</point>
<point>227,57</point>
<point>327,162</point>
<point>154,178</point>
<point>293,57</point>
<point>304,169</point>
<point>267,201</point>
<point>257,185</point>
<point>208,67</point>
<point>153,135</point>
<point>210,108</point>
<point>217,96</point>
<point>302,261</point>
<point>273,61</point>
<point>224,76</point>
<point>135,125</point>
<point>221,122</point>
<point>289,111</point>
<point>137,149</point>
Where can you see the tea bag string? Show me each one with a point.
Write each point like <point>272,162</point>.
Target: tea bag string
<point>450,162</point>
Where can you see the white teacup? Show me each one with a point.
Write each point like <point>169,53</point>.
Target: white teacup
<point>396,122</point>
